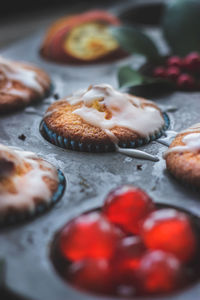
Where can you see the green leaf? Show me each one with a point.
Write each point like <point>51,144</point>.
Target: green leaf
<point>128,77</point>
<point>181,26</point>
<point>135,41</point>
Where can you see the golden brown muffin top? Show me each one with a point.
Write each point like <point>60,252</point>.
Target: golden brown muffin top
<point>102,112</point>
<point>183,156</point>
<point>25,180</point>
<point>20,83</point>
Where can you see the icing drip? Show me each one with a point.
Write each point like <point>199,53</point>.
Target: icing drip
<point>27,186</point>
<point>169,135</point>
<point>191,141</point>
<point>13,71</point>
<point>124,110</point>
<point>137,154</point>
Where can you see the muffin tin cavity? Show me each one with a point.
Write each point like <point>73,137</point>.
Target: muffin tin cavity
<point>85,273</point>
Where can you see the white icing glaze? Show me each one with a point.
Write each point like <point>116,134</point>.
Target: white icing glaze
<point>19,72</point>
<point>126,110</point>
<point>28,186</point>
<point>191,141</point>
<point>193,128</point>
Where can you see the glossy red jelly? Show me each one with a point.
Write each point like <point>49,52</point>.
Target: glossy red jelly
<point>125,262</point>
<point>92,275</point>
<point>170,230</point>
<point>127,206</point>
<point>159,273</point>
<point>89,236</point>
<point>129,247</point>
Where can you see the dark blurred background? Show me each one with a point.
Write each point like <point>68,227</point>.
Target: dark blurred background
<point>19,18</point>
<point>16,7</point>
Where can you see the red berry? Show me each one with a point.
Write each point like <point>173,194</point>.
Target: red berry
<point>186,82</point>
<point>127,206</point>
<point>170,231</point>
<point>192,62</point>
<point>92,275</point>
<point>159,272</point>
<point>159,72</point>
<point>172,73</point>
<point>89,236</point>
<point>174,61</point>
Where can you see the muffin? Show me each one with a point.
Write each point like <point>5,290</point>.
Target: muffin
<point>183,156</point>
<point>82,39</point>
<point>28,185</point>
<point>100,117</point>
<point>21,84</point>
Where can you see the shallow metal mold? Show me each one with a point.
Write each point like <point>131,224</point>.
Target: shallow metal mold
<point>26,248</point>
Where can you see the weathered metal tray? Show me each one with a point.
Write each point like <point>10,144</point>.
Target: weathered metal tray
<point>26,247</point>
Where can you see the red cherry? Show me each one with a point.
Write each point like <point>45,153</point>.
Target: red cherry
<point>127,206</point>
<point>128,248</point>
<point>174,61</point>
<point>125,262</point>
<point>192,62</point>
<point>186,82</point>
<point>128,254</point>
<point>172,73</point>
<point>89,236</point>
<point>159,72</point>
<point>92,275</point>
<point>170,231</point>
<point>159,272</point>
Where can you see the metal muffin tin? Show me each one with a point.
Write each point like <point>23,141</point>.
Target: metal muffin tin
<point>26,247</point>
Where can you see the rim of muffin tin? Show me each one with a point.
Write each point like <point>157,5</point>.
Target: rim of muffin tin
<point>48,285</point>
<point>70,144</point>
<point>41,208</point>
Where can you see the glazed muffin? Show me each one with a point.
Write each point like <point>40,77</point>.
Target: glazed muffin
<point>98,118</point>
<point>183,156</point>
<point>82,38</point>
<point>28,185</point>
<point>21,84</point>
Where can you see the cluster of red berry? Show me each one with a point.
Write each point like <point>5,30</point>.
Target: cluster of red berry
<point>183,72</point>
<point>129,248</point>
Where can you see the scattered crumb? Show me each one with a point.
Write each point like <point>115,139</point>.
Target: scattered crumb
<point>139,167</point>
<point>56,96</point>
<point>22,137</point>
<point>83,183</point>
